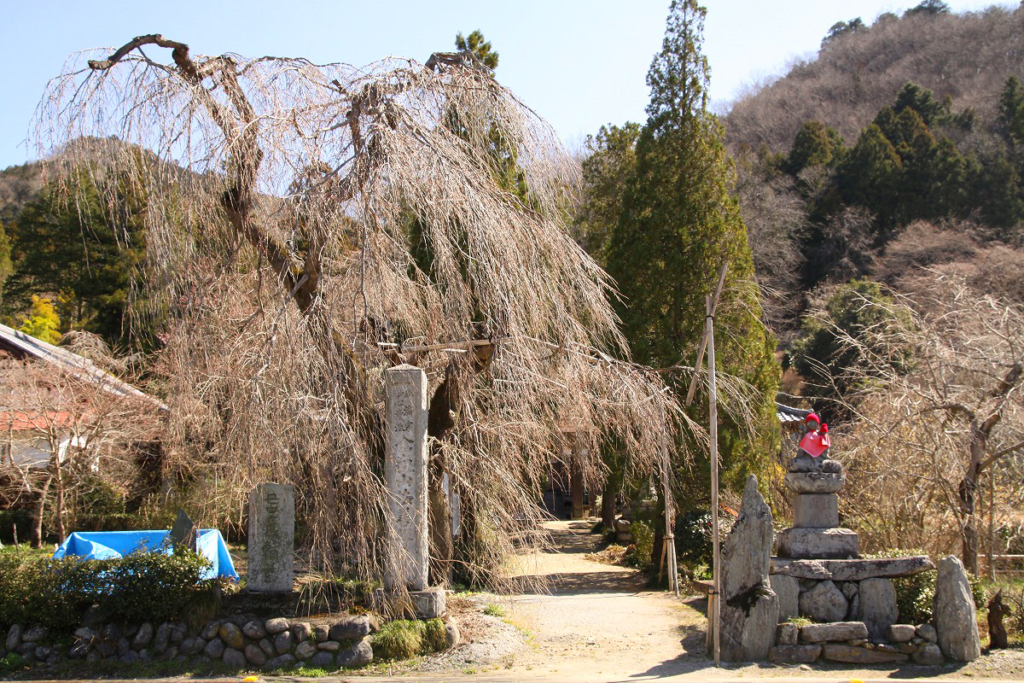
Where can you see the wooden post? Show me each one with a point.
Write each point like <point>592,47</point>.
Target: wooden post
<point>704,339</point>
<point>709,334</point>
<point>991,524</point>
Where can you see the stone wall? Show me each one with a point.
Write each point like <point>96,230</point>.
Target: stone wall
<point>849,642</point>
<point>238,643</point>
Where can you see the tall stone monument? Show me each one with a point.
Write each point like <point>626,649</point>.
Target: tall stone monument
<point>405,472</point>
<point>271,538</point>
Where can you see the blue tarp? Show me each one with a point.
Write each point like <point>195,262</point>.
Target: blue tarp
<point>105,545</point>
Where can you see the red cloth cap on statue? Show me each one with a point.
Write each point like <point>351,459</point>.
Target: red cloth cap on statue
<point>813,417</point>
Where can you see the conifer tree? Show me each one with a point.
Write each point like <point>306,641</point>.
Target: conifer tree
<point>678,224</point>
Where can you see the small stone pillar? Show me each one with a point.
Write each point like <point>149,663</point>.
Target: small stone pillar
<point>271,538</point>
<point>405,472</point>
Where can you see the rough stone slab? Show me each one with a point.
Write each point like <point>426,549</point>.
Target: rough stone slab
<point>878,606</point>
<point>815,510</point>
<point>429,603</point>
<point>794,654</point>
<point>849,654</point>
<point>817,544</point>
<point>750,609</point>
<point>837,632</point>
<point>927,633</point>
<point>954,612</point>
<point>814,482</point>
<point>356,656</point>
<point>787,634</point>
<point>852,570</point>
<point>788,590</point>
<point>824,603</point>
<point>271,538</point>
<point>405,471</point>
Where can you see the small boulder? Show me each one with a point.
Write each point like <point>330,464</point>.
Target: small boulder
<point>233,658</point>
<point>929,655</point>
<point>357,656</point>
<point>305,650</point>
<point>254,655</point>
<point>301,631</point>
<point>192,646</point>
<point>161,638</point>
<point>352,627</point>
<point>143,636</point>
<point>453,636</point>
<point>14,636</point>
<point>232,636</point>
<point>824,603</point>
<point>328,645</point>
<point>178,633</point>
<point>901,633</point>
<point>927,633</point>
<point>268,648</point>
<point>34,635</point>
<point>322,660</point>
<point>214,649</point>
<point>285,661</point>
<point>210,631</point>
<point>275,626</point>
<point>283,642</point>
<point>130,657</point>
<point>254,630</point>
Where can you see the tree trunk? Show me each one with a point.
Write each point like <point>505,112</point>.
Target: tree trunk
<point>612,487</point>
<point>59,503</point>
<point>37,518</point>
<point>967,493</point>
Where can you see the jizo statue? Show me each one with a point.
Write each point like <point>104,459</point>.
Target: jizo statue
<point>815,440</point>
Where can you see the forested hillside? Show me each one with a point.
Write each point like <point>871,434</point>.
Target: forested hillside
<point>899,146</point>
<point>860,68</point>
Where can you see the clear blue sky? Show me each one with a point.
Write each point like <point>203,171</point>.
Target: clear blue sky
<point>578,63</point>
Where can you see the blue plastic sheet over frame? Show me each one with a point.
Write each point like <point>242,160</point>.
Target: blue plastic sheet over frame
<point>105,545</point>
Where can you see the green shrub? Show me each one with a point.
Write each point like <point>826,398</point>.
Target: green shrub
<point>435,637</point>
<point>643,537</point>
<point>915,594</point>
<point>399,639</point>
<point>494,610</point>
<point>402,639</point>
<point>144,586</point>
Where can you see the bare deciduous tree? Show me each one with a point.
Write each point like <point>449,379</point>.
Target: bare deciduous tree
<point>310,226</point>
<point>926,431</point>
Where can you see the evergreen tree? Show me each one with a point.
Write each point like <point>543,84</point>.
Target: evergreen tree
<point>610,163</point>
<point>870,176</point>
<point>76,253</point>
<point>815,145</point>
<point>678,224</point>
<point>5,259</point>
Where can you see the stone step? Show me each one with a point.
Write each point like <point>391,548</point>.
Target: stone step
<point>838,632</point>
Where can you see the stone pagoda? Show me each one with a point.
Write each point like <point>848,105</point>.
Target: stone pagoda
<point>816,533</point>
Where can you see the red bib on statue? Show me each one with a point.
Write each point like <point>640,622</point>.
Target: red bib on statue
<point>815,443</point>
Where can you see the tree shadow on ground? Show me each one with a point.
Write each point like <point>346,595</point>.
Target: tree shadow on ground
<point>580,584</point>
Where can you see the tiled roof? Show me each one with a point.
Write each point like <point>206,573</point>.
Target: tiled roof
<point>787,414</point>
<point>24,345</point>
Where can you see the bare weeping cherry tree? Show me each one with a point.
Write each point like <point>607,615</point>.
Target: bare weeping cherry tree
<point>309,226</point>
<point>925,431</point>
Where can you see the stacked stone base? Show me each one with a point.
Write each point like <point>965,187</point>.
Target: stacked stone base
<point>242,644</point>
<point>848,643</point>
